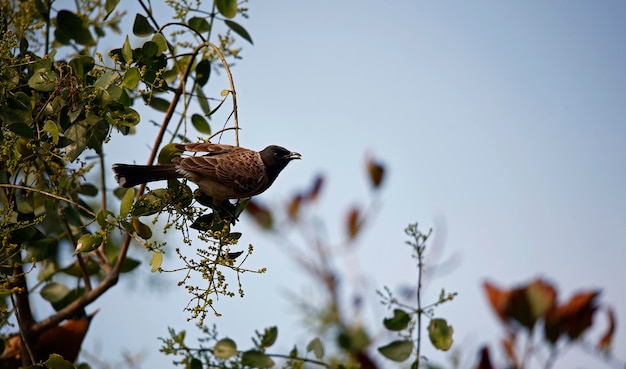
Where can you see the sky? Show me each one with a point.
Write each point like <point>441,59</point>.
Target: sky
<point>500,124</point>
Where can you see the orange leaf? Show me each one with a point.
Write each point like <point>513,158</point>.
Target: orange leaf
<point>572,318</point>
<point>294,207</point>
<point>498,299</point>
<point>605,342</point>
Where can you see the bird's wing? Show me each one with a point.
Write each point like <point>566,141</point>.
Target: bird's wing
<point>240,169</point>
<point>207,148</point>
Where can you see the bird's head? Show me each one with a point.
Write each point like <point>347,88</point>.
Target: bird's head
<point>275,158</point>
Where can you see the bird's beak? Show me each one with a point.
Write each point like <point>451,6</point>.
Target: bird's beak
<point>294,155</point>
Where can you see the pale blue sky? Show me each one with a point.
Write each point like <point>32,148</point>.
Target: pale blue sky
<point>505,121</point>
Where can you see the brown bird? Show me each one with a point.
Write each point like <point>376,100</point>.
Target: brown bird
<point>65,340</point>
<point>221,171</point>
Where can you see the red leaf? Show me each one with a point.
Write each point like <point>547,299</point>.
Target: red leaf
<point>294,207</point>
<point>498,299</point>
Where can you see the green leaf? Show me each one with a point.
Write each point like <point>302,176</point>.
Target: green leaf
<point>87,242</point>
<point>203,101</point>
<point>397,350</point>
<point>203,71</point>
<point>440,334</point>
<point>227,8</point>
<point>131,78</point>
<point>54,292</point>
<point>78,133</point>
<point>161,43</point>
<point>141,229</point>
<point>238,29</point>
<point>167,153</point>
<point>51,128</point>
<point>82,64</point>
<point>141,26</point>
<point>317,347</point>
<point>150,203</point>
<point>109,6</point>
<point>149,49</point>
<point>22,130</point>
<point>159,104</point>
<point>195,363</point>
<point>256,359</point>
<point>269,337</point>
<point>199,24</point>
<point>201,124</point>
<point>44,80</point>
<point>129,264</point>
<point>399,321</point>
<point>156,261</point>
<point>127,202</point>
<point>225,349</point>
<point>56,361</point>
<point>127,50</point>
<point>88,189</point>
<point>71,27</point>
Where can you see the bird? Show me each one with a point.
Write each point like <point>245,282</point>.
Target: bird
<point>64,339</point>
<point>221,171</point>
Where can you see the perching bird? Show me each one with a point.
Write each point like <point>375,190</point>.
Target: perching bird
<point>65,340</point>
<point>221,171</point>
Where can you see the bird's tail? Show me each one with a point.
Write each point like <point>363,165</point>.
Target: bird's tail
<point>128,175</point>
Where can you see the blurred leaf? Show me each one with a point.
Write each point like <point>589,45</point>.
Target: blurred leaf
<point>269,337</point>
<point>256,359</point>
<point>167,153</point>
<point>203,101</point>
<point>225,349</point>
<point>316,347</point>
<point>315,189</point>
<point>227,8</point>
<point>74,269</point>
<point>376,172</point>
<point>71,27</point>
<point>109,6</point>
<point>440,334</point>
<point>572,318</point>
<point>293,209</point>
<point>72,296</point>
<point>141,229</point>
<point>199,24</point>
<point>82,64</point>
<point>261,214</point>
<point>54,292</point>
<point>201,124</point>
<point>56,361</point>
<point>604,345</point>
<point>22,130</point>
<point>195,363</point>
<point>225,92</point>
<point>399,321</point>
<point>203,71</point>
<point>485,360</point>
<point>141,26</point>
<point>156,261</point>
<point>397,350</point>
<point>88,189</point>
<point>354,223</point>
<point>79,134</point>
<point>127,202</point>
<point>238,29</point>
<point>150,203</point>
<point>159,104</point>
